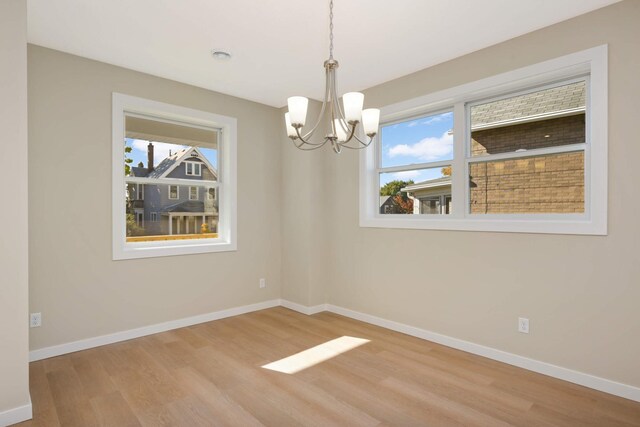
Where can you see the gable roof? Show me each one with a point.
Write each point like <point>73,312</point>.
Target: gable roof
<point>168,164</point>
<point>385,199</point>
<point>171,162</point>
<point>138,171</point>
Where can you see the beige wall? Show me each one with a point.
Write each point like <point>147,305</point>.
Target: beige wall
<point>80,291</point>
<point>14,285</point>
<point>305,197</point>
<point>580,293</point>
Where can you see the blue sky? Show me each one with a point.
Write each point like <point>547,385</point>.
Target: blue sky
<point>161,151</point>
<point>421,140</point>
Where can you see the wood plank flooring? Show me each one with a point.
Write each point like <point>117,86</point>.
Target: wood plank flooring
<point>211,375</point>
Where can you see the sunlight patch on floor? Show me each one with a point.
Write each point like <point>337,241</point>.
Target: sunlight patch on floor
<point>318,354</point>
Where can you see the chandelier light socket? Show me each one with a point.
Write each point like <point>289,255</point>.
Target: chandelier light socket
<point>291,132</point>
<point>353,102</point>
<point>370,121</point>
<point>298,110</point>
<point>341,129</point>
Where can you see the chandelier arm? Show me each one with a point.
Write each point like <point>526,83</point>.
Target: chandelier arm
<point>304,141</point>
<point>361,143</point>
<point>305,146</point>
<point>321,115</point>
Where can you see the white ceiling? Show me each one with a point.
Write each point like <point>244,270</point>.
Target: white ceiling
<point>279,46</point>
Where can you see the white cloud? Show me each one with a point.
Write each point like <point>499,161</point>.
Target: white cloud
<point>436,119</point>
<point>428,149</point>
<point>413,123</point>
<point>406,175</point>
<point>160,149</point>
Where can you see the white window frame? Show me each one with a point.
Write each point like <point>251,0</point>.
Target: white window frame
<point>154,217</point>
<point>591,62</point>
<point>197,192</point>
<point>139,191</point>
<point>193,168</point>
<point>177,192</point>
<point>227,178</point>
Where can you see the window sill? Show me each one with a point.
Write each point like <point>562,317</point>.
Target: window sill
<point>496,223</point>
<point>152,249</point>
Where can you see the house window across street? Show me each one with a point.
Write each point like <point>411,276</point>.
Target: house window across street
<point>193,193</point>
<point>524,151</point>
<point>193,168</point>
<point>139,192</point>
<point>174,192</point>
<point>180,154</point>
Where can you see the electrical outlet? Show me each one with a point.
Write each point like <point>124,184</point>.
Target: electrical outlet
<point>523,325</point>
<point>263,283</point>
<point>35,320</point>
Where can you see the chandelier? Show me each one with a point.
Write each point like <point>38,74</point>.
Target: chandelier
<point>341,123</point>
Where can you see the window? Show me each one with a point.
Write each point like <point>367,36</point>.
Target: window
<point>139,192</point>
<point>174,192</point>
<point>193,169</point>
<point>171,145</point>
<point>193,193</point>
<point>524,151</point>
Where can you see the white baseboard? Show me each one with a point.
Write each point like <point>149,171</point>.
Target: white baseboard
<point>581,378</point>
<point>303,308</point>
<point>16,415</point>
<point>587,380</point>
<point>57,350</point>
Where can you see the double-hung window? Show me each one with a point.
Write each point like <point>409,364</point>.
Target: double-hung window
<point>193,193</point>
<point>192,169</point>
<point>180,154</point>
<point>173,191</point>
<point>524,151</point>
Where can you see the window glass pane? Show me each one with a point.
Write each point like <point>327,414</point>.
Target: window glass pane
<point>421,191</point>
<point>186,218</point>
<point>173,192</point>
<point>541,184</point>
<point>420,140</point>
<point>547,118</point>
<point>169,160</point>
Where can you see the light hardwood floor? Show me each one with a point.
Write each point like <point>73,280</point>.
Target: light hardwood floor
<point>210,375</point>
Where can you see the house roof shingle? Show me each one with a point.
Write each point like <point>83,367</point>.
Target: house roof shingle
<point>553,100</point>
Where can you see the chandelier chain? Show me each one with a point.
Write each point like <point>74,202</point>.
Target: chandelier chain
<point>331,29</point>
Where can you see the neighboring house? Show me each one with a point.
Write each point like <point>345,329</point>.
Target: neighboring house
<point>551,184</point>
<point>430,197</point>
<point>163,209</point>
<point>388,205</point>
